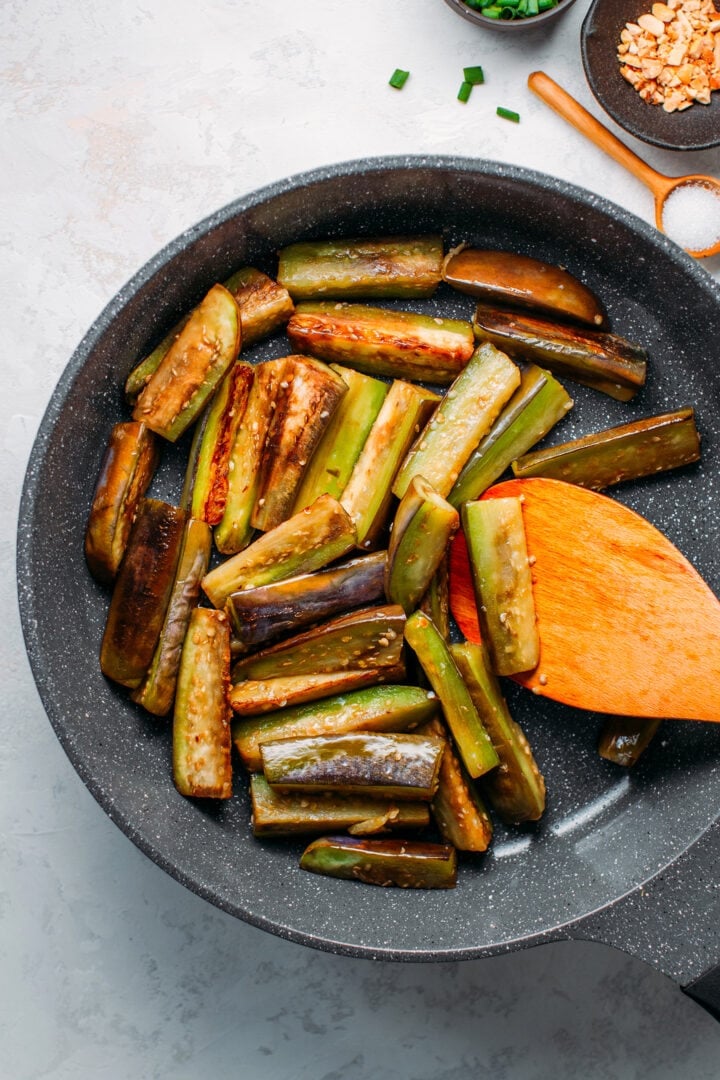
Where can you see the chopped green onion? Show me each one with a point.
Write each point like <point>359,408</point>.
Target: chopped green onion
<point>474,76</point>
<point>464,91</point>
<point>545,5</point>
<point>399,78</point>
<point>533,7</point>
<point>508,114</point>
<point>493,12</point>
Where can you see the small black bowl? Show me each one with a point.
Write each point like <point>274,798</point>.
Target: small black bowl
<point>696,128</point>
<point>530,23</point>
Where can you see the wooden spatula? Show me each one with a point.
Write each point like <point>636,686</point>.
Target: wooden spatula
<point>626,624</point>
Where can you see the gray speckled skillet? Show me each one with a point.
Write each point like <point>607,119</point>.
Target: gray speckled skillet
<point>628,859</point>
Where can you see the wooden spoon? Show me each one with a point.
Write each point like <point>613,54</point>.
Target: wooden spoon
<point>660,185</point>
<point>626,624</point>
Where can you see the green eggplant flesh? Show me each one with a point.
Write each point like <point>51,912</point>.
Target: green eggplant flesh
<point>368,494</point>
<point>461,420</point>
<point>515,790</point>
<point>423,527</point>
<point>201,722</point>
<point>536,406</point>
<point>471,739</point>
<point>378,341</point>
<point>128,466</point>
<point>368,638</point>
<point>191,369</point>
<point>497,549</point>
<point>157,690</point>
<point>307,541</point>
<point>334,459</point>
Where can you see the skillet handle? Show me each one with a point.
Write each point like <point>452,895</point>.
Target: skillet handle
<point>706,991</point>
<point>672,922</point>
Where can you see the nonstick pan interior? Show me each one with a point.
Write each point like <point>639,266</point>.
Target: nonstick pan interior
<point>606,831</point>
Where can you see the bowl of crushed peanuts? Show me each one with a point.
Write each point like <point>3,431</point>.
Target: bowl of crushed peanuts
<point>655,69</point>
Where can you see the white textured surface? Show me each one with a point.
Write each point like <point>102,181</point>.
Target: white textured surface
<point>123,124</point>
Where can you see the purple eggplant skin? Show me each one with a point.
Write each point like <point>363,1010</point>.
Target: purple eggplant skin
<point>127,468</point>
<point>269,611</point>
<point>396,766</point>
<point>142,592</point>
<point>157,690</point>
<point>408,864</point>
<point>367,638</point>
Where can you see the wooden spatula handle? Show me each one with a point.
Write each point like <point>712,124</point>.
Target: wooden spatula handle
<point>572,111</point>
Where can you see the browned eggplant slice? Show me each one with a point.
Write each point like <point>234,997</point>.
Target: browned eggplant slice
<point>378,341</point>
<point>201,723</point>
<point>315,537</point>
<point>127,468</point>
<point>157,690</point>
<point>507,279</point>
<point>603,361</point>
<point>459,812</point>
<point>298,423</point>
<point>264,305</point>
<point>377,708</point>
<point>206,480</point>
<point>257,696</point>
<point>142,592</point>
<point>192,367</point>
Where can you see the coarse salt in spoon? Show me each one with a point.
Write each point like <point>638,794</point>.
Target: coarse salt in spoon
<point>687,208</point>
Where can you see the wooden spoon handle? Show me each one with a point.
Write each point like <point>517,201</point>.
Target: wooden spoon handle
<point>572,111</point>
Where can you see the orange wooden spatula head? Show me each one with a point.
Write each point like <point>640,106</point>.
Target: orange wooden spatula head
<point>626,624</point>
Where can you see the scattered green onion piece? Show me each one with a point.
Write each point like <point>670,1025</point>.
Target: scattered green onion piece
<point>399,78</point>
<point>507,13</point>
<point>464,91</point>
<point>533,7</point>
<point>493,12</point>
<point>474,76</point>
<point>545,5</point>
<point>508,114</point>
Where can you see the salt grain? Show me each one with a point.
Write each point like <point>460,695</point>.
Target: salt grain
<point>691,216</point>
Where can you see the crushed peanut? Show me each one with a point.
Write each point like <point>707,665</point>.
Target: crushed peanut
<point>671,55</point>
